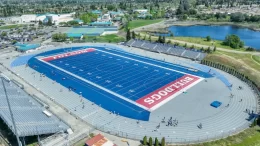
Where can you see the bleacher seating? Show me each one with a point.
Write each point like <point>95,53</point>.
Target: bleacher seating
<point>167,49</point>
<point>27,112</point>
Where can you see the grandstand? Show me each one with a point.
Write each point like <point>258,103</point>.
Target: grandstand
<point>167,49</point>
<point>30,117</point>
<point>88,102</point>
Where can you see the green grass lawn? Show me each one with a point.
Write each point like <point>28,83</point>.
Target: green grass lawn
<point>241,62</point>
<point>10,26</point>
<point>113,38</point>
<point>249,137</point>
<point>256,58</point>
<point>202,41</point>
<point>138,23</point>
<point>245,58</point>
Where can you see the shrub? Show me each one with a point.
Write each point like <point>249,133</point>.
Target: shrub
<point>145,140</point>
<point>150,141</point>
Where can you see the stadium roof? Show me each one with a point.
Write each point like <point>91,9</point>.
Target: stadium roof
<point>29,115</point>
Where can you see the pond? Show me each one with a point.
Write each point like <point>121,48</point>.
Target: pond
<point>250,37</point>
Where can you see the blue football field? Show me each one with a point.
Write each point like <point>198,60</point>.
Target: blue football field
<point>111,78</point>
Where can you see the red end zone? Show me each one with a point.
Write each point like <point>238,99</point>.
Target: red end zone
<point>58,56</point>
<point>166,91</point>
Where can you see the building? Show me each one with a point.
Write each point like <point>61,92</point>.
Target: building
<point>26,47</point>
<point>145,15</point>
<point>55,18</point>
<point>106,18</point>
<point>97,12</point>
<point>28,18</point>
<point>99,140</point>
<point>14,19</point>
<point>114,14</point>
<point>141,10</point>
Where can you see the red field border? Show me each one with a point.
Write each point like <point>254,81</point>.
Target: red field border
<point>58,56</point>
<point>164,94</point>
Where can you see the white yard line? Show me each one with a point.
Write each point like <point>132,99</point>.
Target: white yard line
<point>147,63</point>
<point>98,86</point>
<point>122,97</point>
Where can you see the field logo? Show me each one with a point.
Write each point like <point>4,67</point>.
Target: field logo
<point>166,91</point>
<point>68,54</point>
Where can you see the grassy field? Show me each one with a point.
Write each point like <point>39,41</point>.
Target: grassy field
<point>249,137</point>
<point>112,38</point>
<point>138,23</point>
<point>241,62</point>
<point>246,58</point>
<point>256,58</point>
<point>203,41</point>
<point>10,26</point>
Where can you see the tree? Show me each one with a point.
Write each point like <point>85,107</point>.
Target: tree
<point>4,33</point>
<point>71,39</point>
<point>133,35</point>
<point>183,7</point>
<point>208,38</point>
<point>237,17</point>
<point>159,39</point>
<point>192,12</point>
<point>156,142</point>
<point>144,37</point>
<point>88,17</point>
<point>169,42</point>
<point>40,22</point>
<point>215,48</point>
<point>208,50</point>
<point>92,7</point>
<point>49,23</point>
<point>73,23</point>
<point>145,140</point>
<point>150,38</point>
<point>59,37</point>
<point>139,36</point>
<point>150,141</point>
<point>233,41</point>
<point>171,34</point>
<point>163,142</point>
<point>128,35</point>
<point>202,49</point>
<point>110,7</point>
<point>163,39</point>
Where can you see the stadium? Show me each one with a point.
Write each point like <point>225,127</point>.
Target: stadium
<point>139,89</point>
